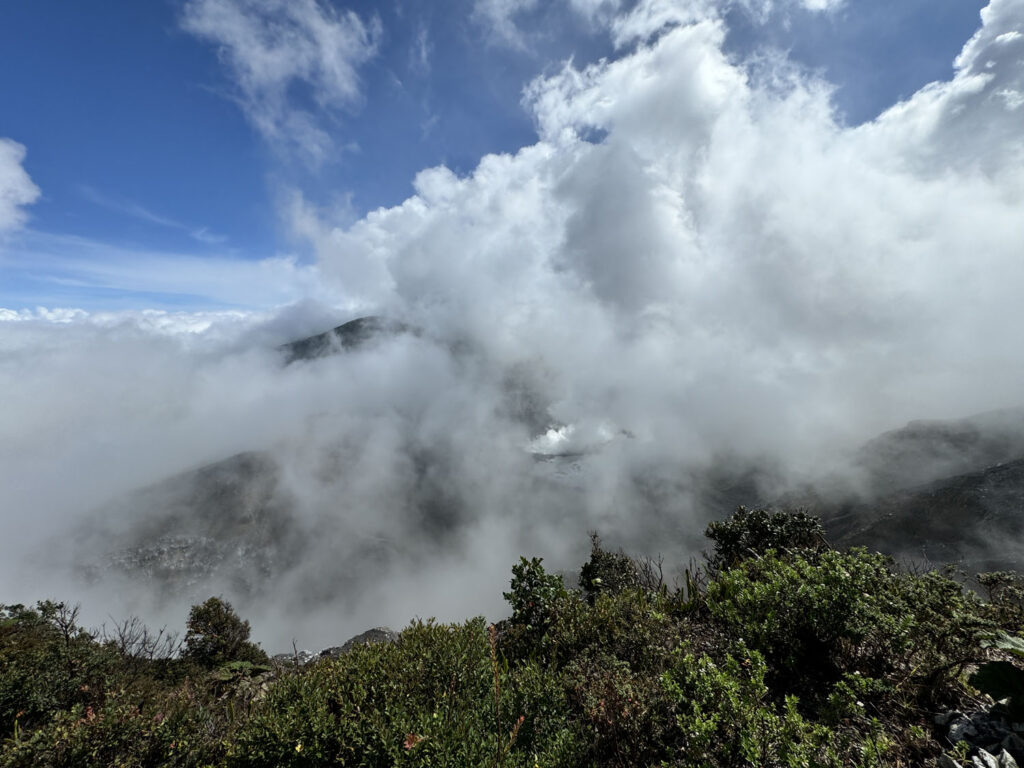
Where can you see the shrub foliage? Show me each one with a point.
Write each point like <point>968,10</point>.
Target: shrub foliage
<point>780,651</point>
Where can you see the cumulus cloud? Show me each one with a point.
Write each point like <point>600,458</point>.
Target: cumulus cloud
<point>275,47</point>
<point>972,122</point>
<point>696,266</point>
<point>16,187</point>
<point>741,256</point>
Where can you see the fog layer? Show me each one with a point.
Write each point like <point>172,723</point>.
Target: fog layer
<point>698,259</point>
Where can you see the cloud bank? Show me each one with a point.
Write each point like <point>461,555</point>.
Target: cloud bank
<point>697,265</point>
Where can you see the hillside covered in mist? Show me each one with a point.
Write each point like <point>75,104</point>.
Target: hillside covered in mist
<point>282,526</point>
<point>694,277</point>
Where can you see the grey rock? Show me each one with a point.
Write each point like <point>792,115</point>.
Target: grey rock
<point>299,658</point>
<point>948,762</point>
<point>985,759</point>
<point>1014,744</point>
<point>371,637</point>
<point>348,336</point>
<point>962,730</point>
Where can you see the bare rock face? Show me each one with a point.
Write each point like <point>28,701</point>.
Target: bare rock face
<point>350,335</point>
<point>975,520</point>
<point>926,451</point>
<point>940,492</point>
<point>369,637</point>
<point>374,636</point>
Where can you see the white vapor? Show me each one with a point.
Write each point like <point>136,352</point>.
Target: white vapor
<point>697,262</point>
<point>16,187</point>
<point>272,47</point>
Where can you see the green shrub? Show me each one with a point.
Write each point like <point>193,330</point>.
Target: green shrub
<point>625,713</point>
<point>606,572</point>
<point>69,700</point>
<point>779,653</point>
<point>816,620</point>
<point>630,626</point>
<point>215,634</point>
<point>162,729</point>
<point>1005,603</point>
<point>434,697</point>
<point>725,717</point>
<point>47,663</point>
<point>750,533</point>
<point>807,617</point>
<point>534,596</point>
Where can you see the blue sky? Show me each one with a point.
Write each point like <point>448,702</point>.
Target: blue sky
<point>138,142</point>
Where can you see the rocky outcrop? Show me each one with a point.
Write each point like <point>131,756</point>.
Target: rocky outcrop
<point>369,637</point>
<point>348,336</point>
<point>923,452</point>
<point>994,742</point>
<point>975,520</point>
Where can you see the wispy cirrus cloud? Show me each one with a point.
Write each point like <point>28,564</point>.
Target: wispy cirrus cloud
<point>507,22</point>
<point>280,52</point>
<point>498,18</point>
<point>138,211</point>
<point>43,269</point>
<point>17,189</point>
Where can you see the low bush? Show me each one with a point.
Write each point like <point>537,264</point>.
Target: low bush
<point>780,652</point>
<point>725,716</point>
<point>751,533</point>
<point>215,634</point>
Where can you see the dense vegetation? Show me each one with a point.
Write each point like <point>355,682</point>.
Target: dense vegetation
<point>778,651</point>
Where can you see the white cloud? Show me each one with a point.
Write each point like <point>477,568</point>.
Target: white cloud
<point>743,256</point>
<point>16,187</point>
<point>596,10</point>
<point>137,211</point>
<point>649,17</point>
<point>693,253</point>
<point>154,321</point>
<point>272,46</point>
<point>821,5</point>
<point>421,52</point>
<point>498,16</point>
<point>969,123</point>
<point>40,267</point>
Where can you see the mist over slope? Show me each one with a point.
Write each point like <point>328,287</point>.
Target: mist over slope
<point>697,265</point>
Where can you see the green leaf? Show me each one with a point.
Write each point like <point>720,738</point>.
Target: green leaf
<point>1005,642</point>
